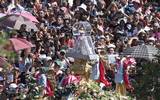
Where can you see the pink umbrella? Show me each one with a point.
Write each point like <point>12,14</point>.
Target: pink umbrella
<point>27,15</point>
<point>27,42</point>
<point>20,44</point>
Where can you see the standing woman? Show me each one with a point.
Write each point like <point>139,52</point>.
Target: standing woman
<point>120,86</point>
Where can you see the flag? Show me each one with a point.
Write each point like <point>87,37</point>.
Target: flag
<point>127,62</point>
<point>102,78</point>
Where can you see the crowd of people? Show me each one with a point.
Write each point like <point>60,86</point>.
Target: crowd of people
<point>116,25</point>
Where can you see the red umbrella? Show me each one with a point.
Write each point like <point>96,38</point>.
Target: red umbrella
<point>20,44</point>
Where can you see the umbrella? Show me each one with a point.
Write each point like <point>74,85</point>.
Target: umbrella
<point>27,42</point>
<point>15,21</point>
<point>20,44</point>
<point>147,52</point>
<point>27,15</point>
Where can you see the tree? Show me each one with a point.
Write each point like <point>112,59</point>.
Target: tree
<point>148,81</point>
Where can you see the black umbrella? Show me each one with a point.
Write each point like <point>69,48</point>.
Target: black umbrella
<point>147,52</point>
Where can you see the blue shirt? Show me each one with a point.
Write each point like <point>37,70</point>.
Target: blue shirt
<point>22,67</point>
<point>112,58</point>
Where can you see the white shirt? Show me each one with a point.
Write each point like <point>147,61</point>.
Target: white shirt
<point>65,63</point>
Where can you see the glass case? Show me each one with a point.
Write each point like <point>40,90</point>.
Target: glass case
<point>82,27</point>
<point>83,49</point>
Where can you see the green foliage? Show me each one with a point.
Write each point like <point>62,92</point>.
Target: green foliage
<point>64,91</point>
<point>148,81</point>
<point>93,92</point>
<point>88,91</point>
<point>5,53</point>
<point>34,90</point>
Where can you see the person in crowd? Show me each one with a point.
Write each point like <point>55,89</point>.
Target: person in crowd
<point>111,55</point>
<point>57,71</point>
<point>115,25</point>
<point>122,67</point>
<point>119,80</point>
<point>64,60</point>
<point>42,80</point>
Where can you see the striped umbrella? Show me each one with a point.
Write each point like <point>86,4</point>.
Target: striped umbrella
<point>147,52</point>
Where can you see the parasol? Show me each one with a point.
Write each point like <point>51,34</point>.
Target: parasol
<point>15,21</point>
<point>27,15</point>
<point>20,44</point>
<point>147,52</point>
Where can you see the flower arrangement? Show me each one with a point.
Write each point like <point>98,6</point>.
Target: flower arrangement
<point>92,91</point>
